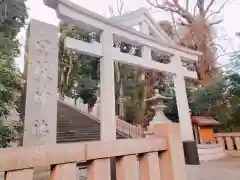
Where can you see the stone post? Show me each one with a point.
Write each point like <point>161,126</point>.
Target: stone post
<point>40,122</point>
<point>107,89</point>
<point>189,144</point>
<point>171,162</point>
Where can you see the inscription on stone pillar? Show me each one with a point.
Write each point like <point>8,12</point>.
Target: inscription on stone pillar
<point>40,128</point>
<point>42,76</point>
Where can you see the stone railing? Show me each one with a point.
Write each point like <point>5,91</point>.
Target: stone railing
<point>135,158</point>
<point>230,141</point>
<point>122,126</point>
<point>129,129</point>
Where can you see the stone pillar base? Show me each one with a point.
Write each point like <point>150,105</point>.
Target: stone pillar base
<point>191,153</point>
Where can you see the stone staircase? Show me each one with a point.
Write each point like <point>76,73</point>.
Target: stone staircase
<point>76,126</point>
<point>73,125</point>
<point>208,152</point>
<point>122,126</point>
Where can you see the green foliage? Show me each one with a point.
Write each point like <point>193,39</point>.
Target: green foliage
<point>10,83</point>
<point>132,91</point>
<point>234,63</point>
<point>207,99</point>
<point>13,13</point>
<point>233,121</point>
<point>10,133</point>
<point>219,100</point>
<point>12,18</point>
<point>5,135</point>
<point>79,74</point>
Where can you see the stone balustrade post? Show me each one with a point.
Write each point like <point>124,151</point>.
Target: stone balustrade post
<point>172,162</point>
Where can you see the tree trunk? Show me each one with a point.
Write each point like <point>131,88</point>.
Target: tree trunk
<point>121,95</point>
<point>121,101</point>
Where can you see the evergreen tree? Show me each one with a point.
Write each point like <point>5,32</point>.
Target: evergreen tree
<point>78,73</point>
<point>12,18</point>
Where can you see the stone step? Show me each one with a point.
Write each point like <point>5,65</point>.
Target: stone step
<point>78,127</point>
<point>73,130</point>
<point>209,152</point>
<point>74,126</point>
<point>209,157</point>
<point>69,132</point>
<point>213,150</point>
<point>77,122</point>
<point>82,136</point>
<point>75,140</point>
<point>84,124</point>
<point>79,135</point>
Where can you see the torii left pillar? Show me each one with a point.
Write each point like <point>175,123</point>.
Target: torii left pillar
<point>41,73</point>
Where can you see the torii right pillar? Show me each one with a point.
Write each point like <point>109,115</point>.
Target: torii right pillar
<point>189,144</point>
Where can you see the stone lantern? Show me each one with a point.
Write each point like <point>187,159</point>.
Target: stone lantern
<point>158,106</point>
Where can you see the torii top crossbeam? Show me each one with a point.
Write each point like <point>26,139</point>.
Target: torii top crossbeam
<point>70,12</point>
<point>114,30</point>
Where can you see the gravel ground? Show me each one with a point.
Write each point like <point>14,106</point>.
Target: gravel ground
<point>225,169</point>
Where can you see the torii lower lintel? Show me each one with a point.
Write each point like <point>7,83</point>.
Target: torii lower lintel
<point>95,49</point>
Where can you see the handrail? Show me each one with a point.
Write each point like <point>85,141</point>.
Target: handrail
<point>155,157</point>
<point>37,156</point>
<point>122,126</point>
<point>229,134</point>
<point>230,141</point>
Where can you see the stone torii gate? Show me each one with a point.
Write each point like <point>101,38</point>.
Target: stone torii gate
<point>111,31</point>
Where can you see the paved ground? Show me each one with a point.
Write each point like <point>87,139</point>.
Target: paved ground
<point>225,169</point>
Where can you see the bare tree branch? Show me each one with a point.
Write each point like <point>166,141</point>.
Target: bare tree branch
<point>222,37</point>
<point>200,4</point>
<point>195,8</point>
<point>119,8</point>
<point>225,54</point>
<point>120,5</point>
<point>111,10</point>
<point>215,46</point>
<point>157,5</point>
<point>175,28</point>
<point>209,6</point>
<point>180,22</point>
<point>187,5</point>
<point>172,7</point>
<point>219,10</point>
<point>216,22</point>
<point>184,13</point>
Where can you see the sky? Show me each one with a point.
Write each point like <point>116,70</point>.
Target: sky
<point>226,30</point>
